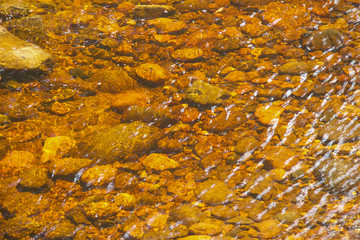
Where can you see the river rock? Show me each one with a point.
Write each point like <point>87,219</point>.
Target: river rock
<point>340,130</point>
<point>324,39</point>
<point>249,3</point>
<point>113,81</point>
<point>68,167</point>
<point>148,115</point>
<point>34,179</point>
<point>279,157</point>
<point>20,227</point>
<point>153,11</point>
<point>247,144</point>
<point>224,212</point>
<point>116,143</point>
<point>193,5</point>
<point>14,9</point>
<point>206,94</point>
<point>207,227</point>
<point>187,54</point>
<point>289,215</point>
<point>159,162</point>
<point>226,120</point>
<point>299,67</point>
<point>187,214</point>
<point>4,147</point>
<point>152,72</point>
<point>61,230</point>
<point>167,25</point>
<point>268,115</point>
<point>56,147</point>
<point>16,161</point>
<point>128,99</point>
<point>98,176</point>
<point>18,54</point>
<point>269,228</point>
<point>214,192</point>
<point>338,175</point>
<point>125,201</point>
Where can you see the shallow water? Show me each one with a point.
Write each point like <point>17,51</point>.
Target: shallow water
<point>182,120</point>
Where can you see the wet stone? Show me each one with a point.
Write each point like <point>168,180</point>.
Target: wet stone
<point>206,94</point>
<point>152,72</point>
<point>228,44</point>
<point>187,54</point>
<point>224,212</point>
<point>214,192</point>
<point>20,55</point>
<point>153,11</point>
<point>148,115</point>
<point>113,81</point>
<point>187,214</point>
<point>268,115</point>
<point>167,25</point>
<point>240,220</point>
<point>128,99</point>
<point>68,167</point>
<point>207,227</point>
<point>125,201</point>
<point>279,157</point>
<point>340,130</point>
<point>338,176</point>
<point>193,5</point>
<point>21,227</point>
<point>324,39</point>
<point>247,144</point>
<point>34,179</point>
<point>225,121</point>
<point>298,67</point>
<point>270,228</point>
<point>159,162</point>
<point>116,143</point>
<point>16,161</point>
<point>98,176</point>
<point>56,147</point>
<point>4,147</point>
<point>14,9</point>
<point>260,186</point>
<point>62,230</point>
<point>289,215</point>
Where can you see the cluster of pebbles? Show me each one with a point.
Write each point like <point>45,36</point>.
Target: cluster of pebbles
<point>191,120</point>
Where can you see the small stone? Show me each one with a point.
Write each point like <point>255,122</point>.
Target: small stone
<point>151,72</point>
<point>214,192</point>
<point>190,115</point>
<point>125,201</point>
<point>240,220</point>
<point>270,228</point>
<point>340,130</point>
<point>224,212</point>
<point>187,54</point>
<point>247,144</point>
<point>279,157</point>
<point>153,11</point>
<point>206,94</point>
<point>268,115</point>
<point>187,214</point>
<point>236,76</point>
<point>15,162</point>
<point>130,98</point>
<point>157,220</point>
<point>56,147</point>
<point>159,162</point>
<point>146,114</point>
<point>196,237</point>
<point>113,81</point>
<point>68,167</point>
<point>62,230</point>
<point>34,179</point>
<point>289,215</point>
<point>337,175</point>
<point>207,227</point>
<point>167,25</point>
<point>58,108</point>
<point>324,40</point>
<point>299,67</point>
<point>227,120</point>
<point>193,5</point>
<point>98,176</point>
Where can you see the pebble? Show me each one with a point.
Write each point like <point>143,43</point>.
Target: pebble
<point>34,179</point>
<point>279,157</point>
<point>340,130</point>
<point>299,67</point>
<point>59,108</point>
<point>324,39</point>
<point>187,214</point>
<point>207,227</point>
<point>187,54</point>
<point>125,201</point>
<point>56,147</point>
<point>227,120</point>
<point>247,144</point>
<point>270,228</point>
<point>236,76</point>
<point>129,98</point>
<point>152,72</point>
<point>268,115</point>
<point>153,11</point>
<point>223,212</point>
<point>113,81</point>
<point>16,161</point>
<point>98,176</point>
<point>206,94</point>
<point>167,25</point>
<point>68,167</point>
<point>214,192</point>
<point>159,162</point>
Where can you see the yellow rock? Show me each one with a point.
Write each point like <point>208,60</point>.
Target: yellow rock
<point>268,115</point>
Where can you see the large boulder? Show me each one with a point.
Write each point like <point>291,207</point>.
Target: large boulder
<point>119,142</point>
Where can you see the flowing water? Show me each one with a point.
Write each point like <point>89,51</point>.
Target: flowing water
<point>193,119</point>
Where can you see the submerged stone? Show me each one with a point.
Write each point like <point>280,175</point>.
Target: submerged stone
<point>298,67</point>
<point>338,175</point>
<point>152,72</point>
<point>226,120</point>
<point>148,115</point>
<point>153,11</point>
<point>206,94</point>
<point>324,39</point>
<point>17,54</point>
<point>187,54</point>
<point>214,192</point>
<point>159,162</point>
<point>119,142</point>
<point>113,81</point>
<point>167,25</point>
<point>340,130</point>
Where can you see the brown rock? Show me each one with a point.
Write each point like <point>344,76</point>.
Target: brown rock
<point>226,120</point>
<point>159,162</point>
<point>280,157</point>
<point>59,108</point>
<point>167,25</point>
<point>15,162</point>
<point>151,72</point>
<point>130,98</point>
<point>236,76</point>
<point>187,54</point>
<point>214,192</point>
<point>270,228</point>
<point>113,81</point>
<point>98,176</point>
<point>268,115</point>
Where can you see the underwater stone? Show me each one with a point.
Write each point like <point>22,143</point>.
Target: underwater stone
<point>119,142</point>
<point>206,94</point>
